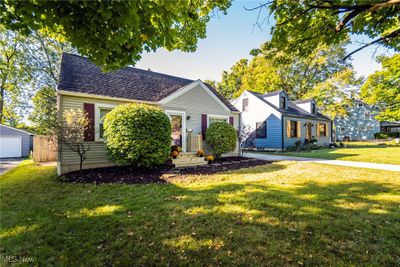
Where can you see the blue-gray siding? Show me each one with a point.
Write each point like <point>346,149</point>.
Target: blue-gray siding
<point>274,134</point>
<point>356,126</point>
<point>27,139</point>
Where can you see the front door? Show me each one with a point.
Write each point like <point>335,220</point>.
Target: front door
<point>178,125</point>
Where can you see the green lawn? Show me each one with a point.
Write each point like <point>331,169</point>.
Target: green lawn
<point>286,213</point>
<point>356,151</point>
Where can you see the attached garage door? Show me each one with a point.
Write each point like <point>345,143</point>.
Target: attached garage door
<point>10,146</point>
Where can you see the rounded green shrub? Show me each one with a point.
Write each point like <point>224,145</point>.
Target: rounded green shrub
<point>221,138</point>
<point>137,134</point>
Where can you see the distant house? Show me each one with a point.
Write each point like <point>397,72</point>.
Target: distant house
<point>14,143</point>
<point>390,127</point>
<point>191,105</point>
<point>360,124</point>
<point>279,123</point>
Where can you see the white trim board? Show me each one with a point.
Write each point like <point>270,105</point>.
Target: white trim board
<point>169,112</point>
<point>97,107</point>
<point>16,129</point>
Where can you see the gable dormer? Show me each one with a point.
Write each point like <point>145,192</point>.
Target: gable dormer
<point>308,105</point>
<point>278,98</point>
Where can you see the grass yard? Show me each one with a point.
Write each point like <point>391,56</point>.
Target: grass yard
<point>356,151</point>
<point>287,213</point>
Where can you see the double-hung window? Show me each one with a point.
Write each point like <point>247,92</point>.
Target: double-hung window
<point>101,111</point>
<point>322,129</point>
<point>245,104</point>
<point>293,129</point>
<point>261,129</point>
<point>217,118</point>
<point>283,102</point>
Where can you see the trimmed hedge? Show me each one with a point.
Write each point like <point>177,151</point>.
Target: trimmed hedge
<point>221,138</point>
<point>386,135</point>
<point>137,134</point>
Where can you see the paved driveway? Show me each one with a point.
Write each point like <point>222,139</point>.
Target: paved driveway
<point>357,164</point>
<point>8,164</point>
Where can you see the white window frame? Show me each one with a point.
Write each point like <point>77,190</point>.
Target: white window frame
<point>97,107</point>
<point>216,117</point>
<point>170,112</point>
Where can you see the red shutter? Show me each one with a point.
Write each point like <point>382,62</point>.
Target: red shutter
<point>203,125</point>
<point>231,121</point>
<point>89,133</point>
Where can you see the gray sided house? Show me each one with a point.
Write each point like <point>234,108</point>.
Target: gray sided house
<point>191,105</point>
<point>360,124</point>
<point>278,122</point>
<point>14,143</point>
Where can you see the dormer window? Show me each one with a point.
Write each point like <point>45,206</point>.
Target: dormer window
<point>283,102</point>
<point>245,104</point>
<point>313,111</point>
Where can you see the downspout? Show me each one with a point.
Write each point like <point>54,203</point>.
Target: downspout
<point>283,138</point>
<point>332,133</point>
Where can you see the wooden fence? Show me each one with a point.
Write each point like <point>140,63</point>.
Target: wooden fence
<point>44,148</point>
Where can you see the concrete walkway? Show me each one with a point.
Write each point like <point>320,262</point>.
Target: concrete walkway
<point>8,164</point>
<point>357,164</point>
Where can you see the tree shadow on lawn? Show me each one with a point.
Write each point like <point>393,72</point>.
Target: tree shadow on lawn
<point>249,223</point>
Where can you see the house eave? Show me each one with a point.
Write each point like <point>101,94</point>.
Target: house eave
<point>103,97</point>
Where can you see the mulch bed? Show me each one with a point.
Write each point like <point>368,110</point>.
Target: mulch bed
<point>161,174</point>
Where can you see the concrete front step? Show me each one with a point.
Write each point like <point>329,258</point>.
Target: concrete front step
<point>188,160</point>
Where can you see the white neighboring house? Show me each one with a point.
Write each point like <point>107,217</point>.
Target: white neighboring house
<point>279,123</point>
<point>14,143</point>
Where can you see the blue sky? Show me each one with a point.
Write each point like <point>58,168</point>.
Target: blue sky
<point>229,38</point>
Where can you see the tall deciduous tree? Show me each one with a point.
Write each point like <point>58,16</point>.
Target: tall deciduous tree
<point>382,88</point>
<point>321,75</point>
<point>115,33</point>
<point>12,76</point>
<point>301,26</point>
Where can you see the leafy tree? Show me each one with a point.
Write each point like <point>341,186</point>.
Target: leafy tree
<point>382,88</point>
<point>302,26</point>
<point>71,133</point>
<point>232,80</point>
<point>12,76</point>
<point>321,75</point>
<point>44,113</point>
<point>114,34</point>
<point>43,53</point>
<point>28,65</point>
<point>334,95</point>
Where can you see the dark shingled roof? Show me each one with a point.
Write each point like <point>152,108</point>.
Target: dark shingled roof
<point>79,74</point>
<point>292,109</point>
<point>273,93</point>
<point>302,101</point>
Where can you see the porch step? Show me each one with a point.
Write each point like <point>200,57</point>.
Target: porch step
<point>188,159</point>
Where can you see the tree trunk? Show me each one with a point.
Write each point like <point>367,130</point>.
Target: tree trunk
<point>80,166</point>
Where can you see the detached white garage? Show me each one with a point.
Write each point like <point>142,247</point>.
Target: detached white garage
<point>14,143</point>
